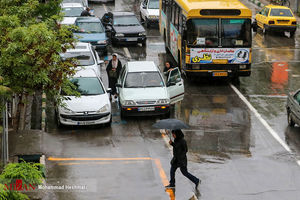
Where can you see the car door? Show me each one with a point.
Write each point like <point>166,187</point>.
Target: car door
<point>98,61</point>
<point>264,17</point>
<point>295,108</point>
<point>175,86</point>
<point>143,9</point>
<point>121,79</point>
<point>259,17</point>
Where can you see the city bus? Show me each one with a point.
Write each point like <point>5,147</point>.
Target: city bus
<point>208,37</point>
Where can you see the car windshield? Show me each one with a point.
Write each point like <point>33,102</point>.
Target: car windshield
<point>83,58</point>
<point>126,21</point>
<point>203,32</point>
<point>236,32</point>
<point>88,85</point>
<point>72,11</point>
<point>143,79</point>
<point>90,27</point>
<point>277,12</point>
<point>153,4</point>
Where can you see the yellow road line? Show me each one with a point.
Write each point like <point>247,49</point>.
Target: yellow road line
<point>98,159</point>
<point>85,163</point>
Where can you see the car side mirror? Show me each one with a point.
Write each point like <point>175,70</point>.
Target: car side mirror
<point>108,90</point>
<point>144,7</point>
<point>118,85</point>
<point>100,62</point>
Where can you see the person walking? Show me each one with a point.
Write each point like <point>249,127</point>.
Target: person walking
<point>179,159</point>
<point>86,12</point>
<point>113,70</point>
<point>168,67</point>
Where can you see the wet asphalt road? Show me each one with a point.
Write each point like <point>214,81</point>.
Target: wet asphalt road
<point>229,148</point>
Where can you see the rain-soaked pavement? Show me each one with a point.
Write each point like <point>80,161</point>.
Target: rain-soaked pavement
<point>230,149</point>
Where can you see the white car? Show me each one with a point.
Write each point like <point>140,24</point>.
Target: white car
<point>92,107</point>
<point>71,12</point>
<point>143,91</point>
<point>149,12</point>
<point>84,3</point>
<point>86,55</point>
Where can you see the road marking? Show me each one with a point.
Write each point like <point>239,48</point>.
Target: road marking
<point>268,96</point>
<point>102,159</point>
<point>264,122</point>
<point>105,8</point>
<point>157,162</point>
<point>127,52</point>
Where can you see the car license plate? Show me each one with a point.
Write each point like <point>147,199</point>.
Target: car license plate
<point>146,109</point>
<point>131,39</point>
<point>86,123</point>
<point>220,74</point>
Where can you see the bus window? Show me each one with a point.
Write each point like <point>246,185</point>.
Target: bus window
<point>203,32</point>
<point>236,32</point>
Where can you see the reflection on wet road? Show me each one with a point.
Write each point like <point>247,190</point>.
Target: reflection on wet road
<point>229,148</point>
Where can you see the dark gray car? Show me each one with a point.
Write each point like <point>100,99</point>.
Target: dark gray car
<point>293,108</point>
<point>124,27</point>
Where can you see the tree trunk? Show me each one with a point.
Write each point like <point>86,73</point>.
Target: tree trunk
<point>21,112</point>
<point>28,107</point>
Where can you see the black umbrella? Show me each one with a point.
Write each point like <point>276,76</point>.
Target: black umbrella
<point>171,124</point>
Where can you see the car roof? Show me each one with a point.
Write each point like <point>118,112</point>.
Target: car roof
<point>88,19</point>
<point>68,5</point>
<point>121,13</point>
<point>81,47</point>
<point>142,66</point>
<point>85,73</point>
<point>277,6</point>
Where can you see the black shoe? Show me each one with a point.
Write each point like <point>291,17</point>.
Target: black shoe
<point>170,186</point>
<point>197,184</point>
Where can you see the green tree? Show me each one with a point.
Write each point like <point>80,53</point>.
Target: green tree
<point>29,173</point>
<point>30,42</point>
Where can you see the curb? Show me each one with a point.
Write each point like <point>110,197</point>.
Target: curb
<point>257,3</point>
<point>43,111</point>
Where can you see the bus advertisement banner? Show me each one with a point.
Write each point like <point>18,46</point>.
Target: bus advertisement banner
<point>219,55</point>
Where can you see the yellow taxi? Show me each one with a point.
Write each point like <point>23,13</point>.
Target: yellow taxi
<point>276,18</point>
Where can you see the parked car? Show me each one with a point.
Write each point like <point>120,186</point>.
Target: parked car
<point>91,30</point>
<point>143,91</point>
<point>86,57</point>
<point>124,27</point>
<point>276,18</point>
<point>71,12</point>
<point>92,107</point>
<point>293,108</point>
<point>83,2</point>
<point>149,12</point>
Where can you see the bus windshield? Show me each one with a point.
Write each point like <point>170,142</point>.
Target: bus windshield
<point>219,32</point>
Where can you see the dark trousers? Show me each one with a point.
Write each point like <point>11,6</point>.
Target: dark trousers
<point>184,171</point>
<point>112,84</point>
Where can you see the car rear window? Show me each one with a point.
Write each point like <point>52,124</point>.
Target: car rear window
<point>278,12</point>
<point>126,20</point>
<point>143,80</point>
<point>83,58</point>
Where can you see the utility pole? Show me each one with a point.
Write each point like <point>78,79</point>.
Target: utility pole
<point>5,134</point>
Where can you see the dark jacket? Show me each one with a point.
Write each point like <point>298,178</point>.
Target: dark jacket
<point>109,67</point>
<point>166,73</point>
<point>179,150</point>
<point>85,13</point>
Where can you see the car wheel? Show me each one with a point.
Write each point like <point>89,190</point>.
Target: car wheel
<point>147,23</point>
<point>290,119</point>
<point>264,30</point>
<point>58,123</point>
<point>292,33</point>
<point>108,124</point>
<point>144,43</point>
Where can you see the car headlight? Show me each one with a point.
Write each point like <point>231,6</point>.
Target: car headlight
<point>64,110</point>
<point>101,42</point>
<point>142,34</point>
<point>103,109</point>
<point>162,101</point>
<point>119,35</point>
<point>129,103</point>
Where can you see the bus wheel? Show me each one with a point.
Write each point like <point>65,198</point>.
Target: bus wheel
<point>235,80</point>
